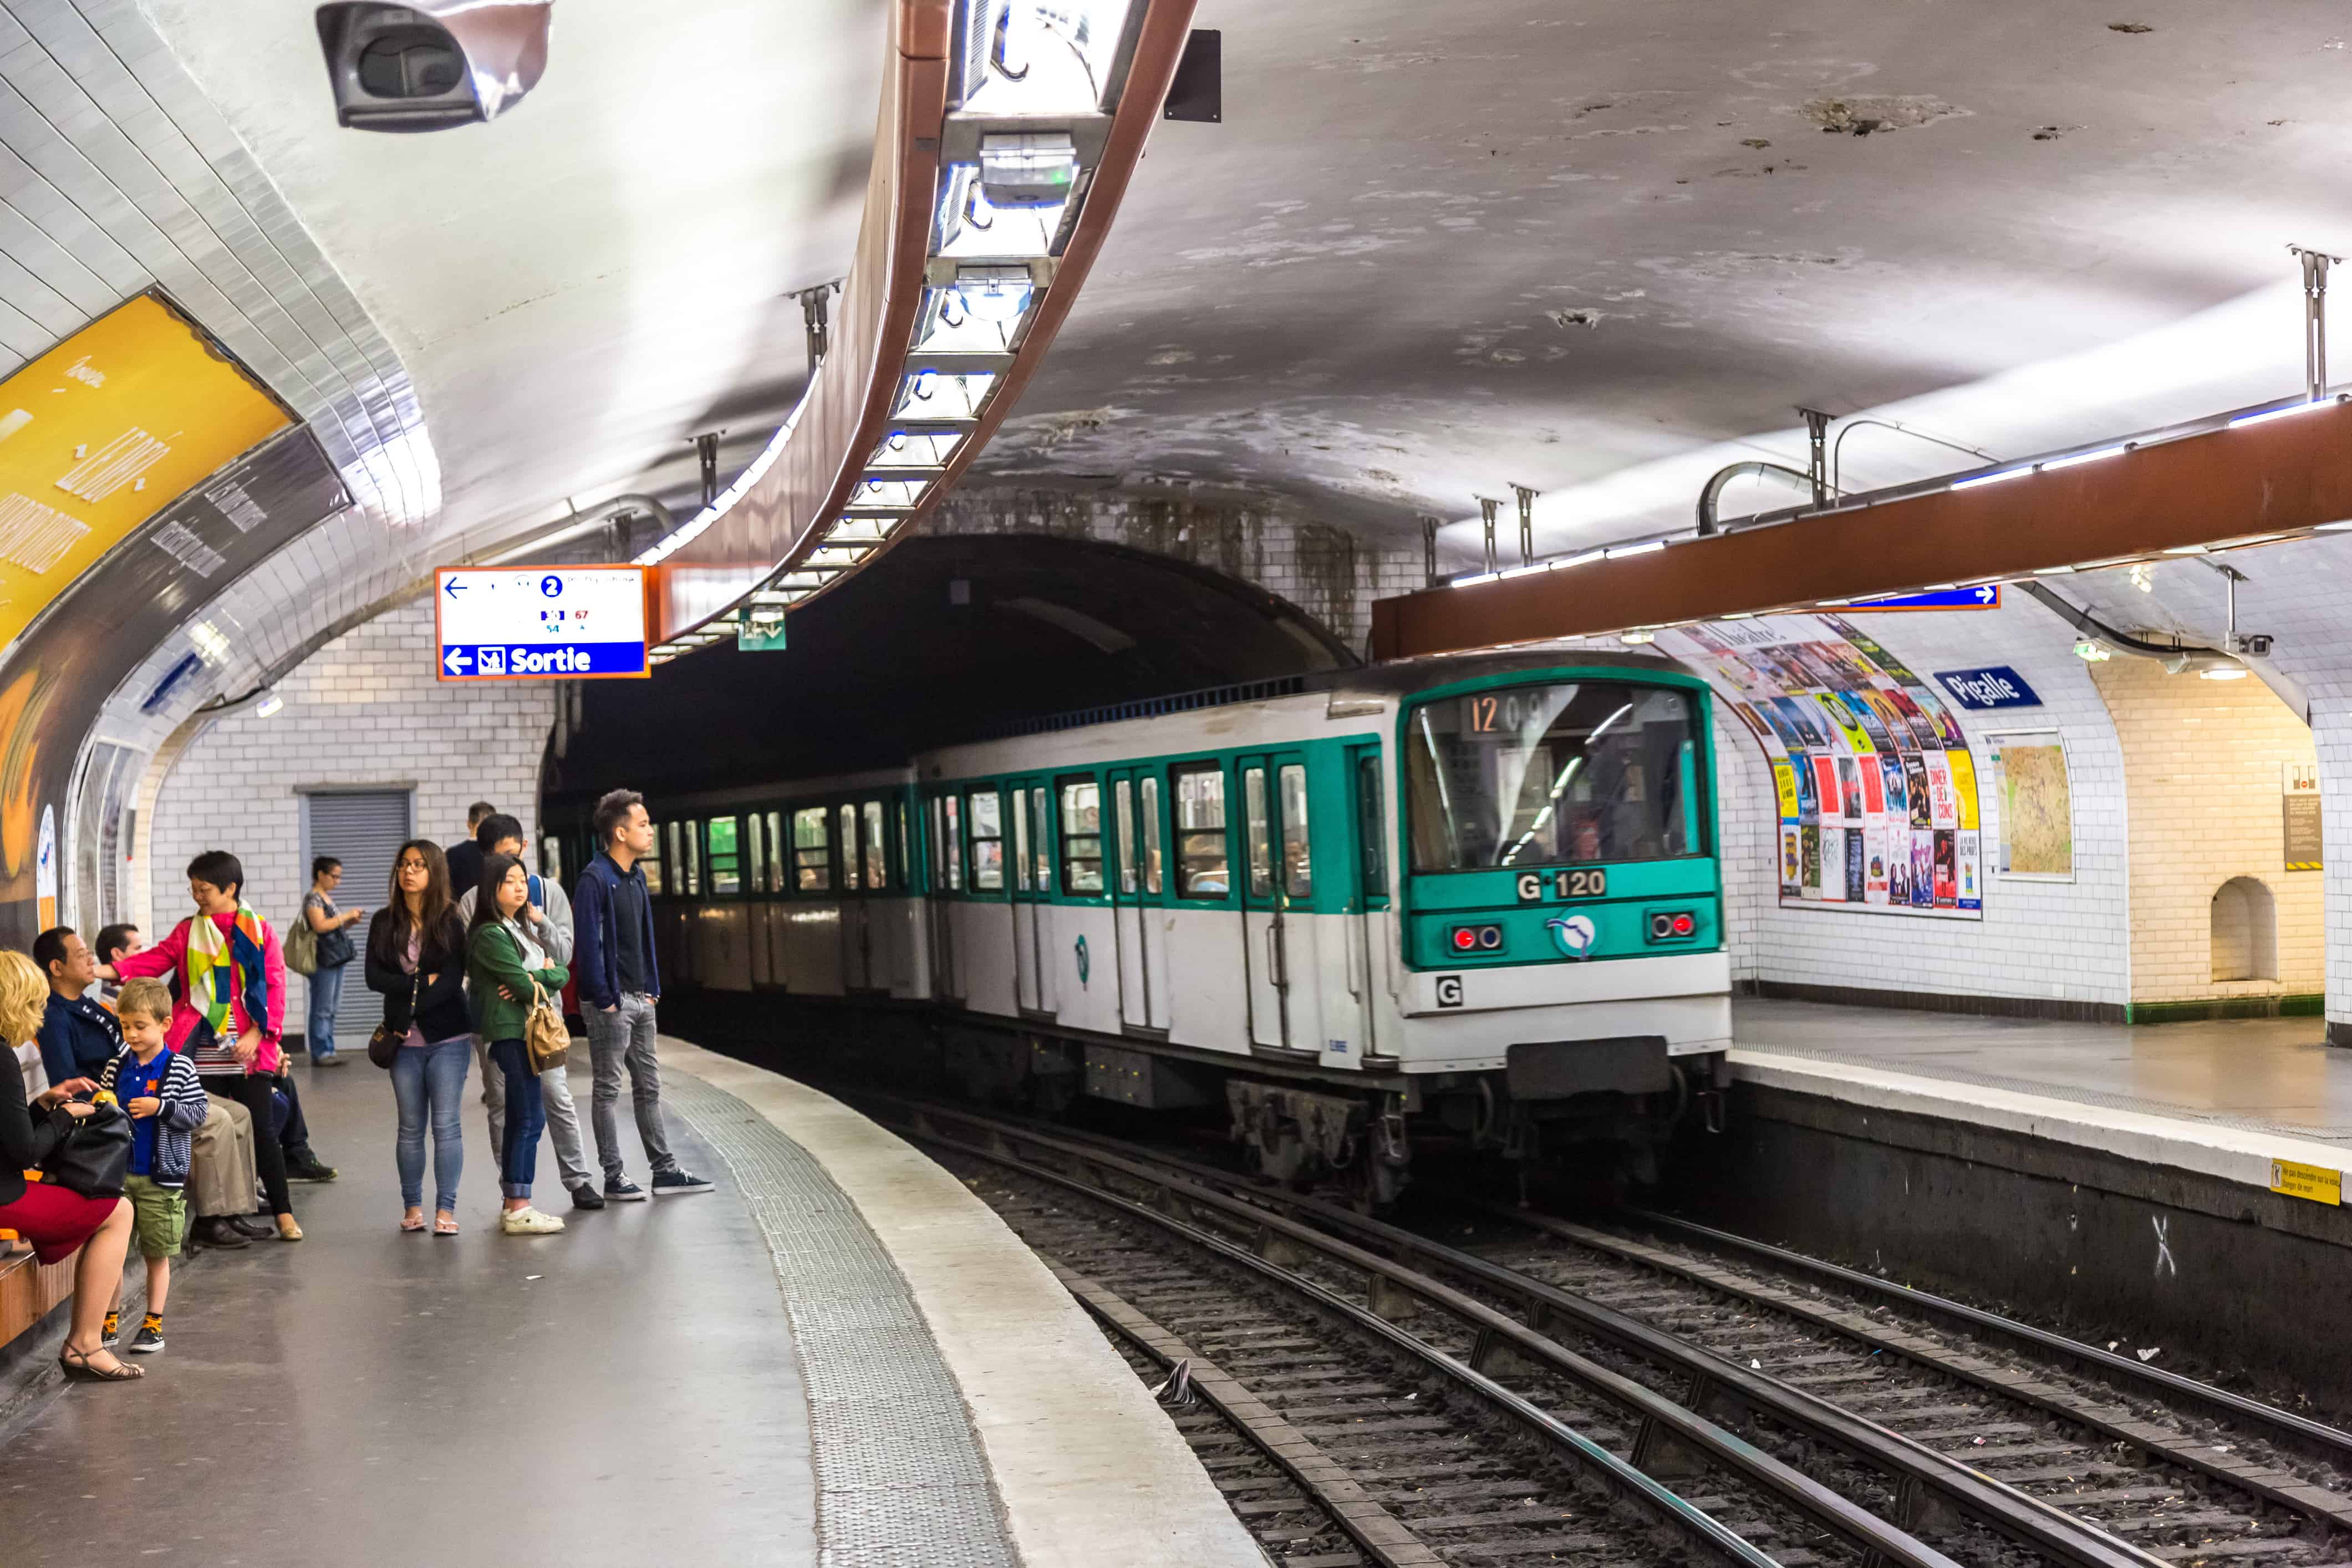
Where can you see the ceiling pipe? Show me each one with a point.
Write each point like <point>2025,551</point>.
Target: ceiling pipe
<point>1713,490</point>
<point>578,522</point>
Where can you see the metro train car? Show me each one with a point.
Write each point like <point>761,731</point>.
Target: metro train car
<point>1478,894</point>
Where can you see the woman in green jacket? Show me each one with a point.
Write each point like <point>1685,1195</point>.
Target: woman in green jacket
<point>504,970</point>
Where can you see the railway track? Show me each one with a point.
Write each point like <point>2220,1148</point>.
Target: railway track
<point>1982,1456</point>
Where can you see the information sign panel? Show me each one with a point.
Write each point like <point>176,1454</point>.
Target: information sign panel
<point>1984,597</point>
<point>539,622</point>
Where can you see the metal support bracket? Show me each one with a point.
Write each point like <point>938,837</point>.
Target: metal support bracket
<point>1526,524</point>
<point>2315,263</point>
<point>1429,549</point>
<point>1817,462</point>
<point>1488,506</point>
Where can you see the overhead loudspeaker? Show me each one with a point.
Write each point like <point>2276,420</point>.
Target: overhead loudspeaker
<point>432,65</point>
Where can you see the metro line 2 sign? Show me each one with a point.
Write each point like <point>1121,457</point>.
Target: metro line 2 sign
<point>539,622</point>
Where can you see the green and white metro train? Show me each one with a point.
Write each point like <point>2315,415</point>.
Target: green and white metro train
<point>1478,893</point>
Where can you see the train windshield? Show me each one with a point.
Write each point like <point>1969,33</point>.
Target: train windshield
<point>1548,775</point>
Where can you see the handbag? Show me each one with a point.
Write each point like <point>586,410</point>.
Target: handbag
<point>300,945</point>
<point>93,1153</point>
<point>544,1035</point>
<point>335,949</point>
<point>384,1046</point>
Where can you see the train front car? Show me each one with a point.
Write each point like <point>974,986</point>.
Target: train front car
<point>1565,989</point>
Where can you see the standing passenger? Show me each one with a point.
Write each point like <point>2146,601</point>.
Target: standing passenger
<point>416,959</point>
<point>231,1005</point>
<point>466,856</point>
<point>549,924</point>
<point>619,982</point>
<point>506,971</point>
<point>333,928</point>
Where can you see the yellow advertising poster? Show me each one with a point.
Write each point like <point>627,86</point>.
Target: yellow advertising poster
<point>99,432</point>
<point>1964,784</point>
<point>1784,780</point>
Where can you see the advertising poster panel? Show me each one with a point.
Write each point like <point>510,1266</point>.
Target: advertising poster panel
<point>1876,786</point>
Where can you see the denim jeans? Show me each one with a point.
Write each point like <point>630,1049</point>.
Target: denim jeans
<point>318,1029</point>
<point>526,1117</point>
<point>618,1041</point>
<point>563,1118</point>
<point>429,1082</point>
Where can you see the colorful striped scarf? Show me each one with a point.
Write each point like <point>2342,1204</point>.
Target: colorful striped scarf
<point>222,964</point>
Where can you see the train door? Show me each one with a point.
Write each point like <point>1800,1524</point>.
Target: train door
<point>1277,873</point>
<point>1368,919</point>
<point>944,838</point>
<point>856,942</point>
<point>1138,896</point>
<point>1033,856</point>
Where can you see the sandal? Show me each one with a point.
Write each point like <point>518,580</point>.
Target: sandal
<point>78,1367</point>
<point>444,1225</point>
<point>412,1222</point>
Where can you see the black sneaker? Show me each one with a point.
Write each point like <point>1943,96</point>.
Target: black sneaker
<point>252,1225</point>
<point>146,1341</point>
<point>584,1196</point>
<point>621,1189</point>
<point>308,1167</point>
<point>113,1337</point>
<point>677,1184</point>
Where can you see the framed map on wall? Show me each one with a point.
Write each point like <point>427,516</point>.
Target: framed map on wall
<point>2037,807</point>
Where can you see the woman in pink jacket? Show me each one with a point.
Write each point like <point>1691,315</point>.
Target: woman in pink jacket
<point>228,984</point>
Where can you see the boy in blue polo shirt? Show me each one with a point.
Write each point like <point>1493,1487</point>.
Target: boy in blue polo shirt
<point>159,1089</point>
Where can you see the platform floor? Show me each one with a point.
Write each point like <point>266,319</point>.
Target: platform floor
<point>2274,1076</point>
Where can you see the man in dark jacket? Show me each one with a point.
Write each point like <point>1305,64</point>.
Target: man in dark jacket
<point>619,981</point>
<point>464,857</point>
<point>78,1036</point>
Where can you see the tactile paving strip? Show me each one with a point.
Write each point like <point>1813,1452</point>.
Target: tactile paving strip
<point>2314,1132</point>
<point>898,1473</point>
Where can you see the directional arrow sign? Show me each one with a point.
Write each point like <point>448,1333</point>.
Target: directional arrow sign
<point>455,660</point>
<point>452,587</point>
<point>1981,596</point>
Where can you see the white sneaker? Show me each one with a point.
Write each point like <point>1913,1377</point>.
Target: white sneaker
<point>528,1222</point>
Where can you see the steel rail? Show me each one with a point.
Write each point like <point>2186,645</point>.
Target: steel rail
<point>1873,1535</point>
<point>1923,1470</point>
<point>1663,1422</point>
<point>2284,1426</point>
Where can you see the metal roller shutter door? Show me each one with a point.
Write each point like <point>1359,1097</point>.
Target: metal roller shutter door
<point>364,829</point>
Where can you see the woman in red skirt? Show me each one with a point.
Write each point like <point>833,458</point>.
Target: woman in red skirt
<point>55,1220</point>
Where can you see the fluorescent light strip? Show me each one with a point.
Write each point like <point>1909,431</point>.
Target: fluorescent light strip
<point>1620,551</point>
<point>2289,412</point>
<point>1527,571</point>
<point>2002,477</point>
<point>2056,463</point>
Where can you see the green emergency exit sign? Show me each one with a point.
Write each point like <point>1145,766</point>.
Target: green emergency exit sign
<point>760,636</point>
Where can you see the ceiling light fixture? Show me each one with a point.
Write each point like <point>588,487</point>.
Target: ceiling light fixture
<point>2223,672</point>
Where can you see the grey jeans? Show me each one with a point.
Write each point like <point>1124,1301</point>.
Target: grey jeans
<point>562,1115</point>
<point>623,1040</point>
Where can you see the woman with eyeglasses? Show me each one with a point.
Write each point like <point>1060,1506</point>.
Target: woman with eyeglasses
<point>417,961</point>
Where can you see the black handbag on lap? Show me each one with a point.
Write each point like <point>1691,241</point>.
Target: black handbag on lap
<point>93,1153</point>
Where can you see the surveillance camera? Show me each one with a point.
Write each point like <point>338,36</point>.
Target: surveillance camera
<point>434,65</point>
<point>2256,644</point>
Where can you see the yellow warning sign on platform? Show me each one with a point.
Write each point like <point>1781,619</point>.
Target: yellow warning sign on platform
<point>2318,1182</point>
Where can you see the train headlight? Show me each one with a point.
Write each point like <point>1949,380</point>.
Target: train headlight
<point>1476,939</point>
<point>1672,925</point>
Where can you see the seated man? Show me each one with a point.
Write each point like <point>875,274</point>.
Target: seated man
<point>79,1034</point>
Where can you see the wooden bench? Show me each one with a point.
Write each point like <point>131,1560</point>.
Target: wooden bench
<point>30,1292</point>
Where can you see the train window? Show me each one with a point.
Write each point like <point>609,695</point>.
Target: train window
<point>1298,859</point>
<point>775,879</point>
<point>905,849</point>
<point>1082,847</point>
<point>723,838</point>
<point>1122,831</point>
<point>1259,832</point>
<point>1151,847</point>
<point>551,858</point>
<point>652,864</point>
<point>1370,828</point>
<point>676,856</point>
<point>811,855</point>
<point>987,842</point>
<point>952,841</point>
<point>1041,843</point>
<point>1540,775</point>
<point>850,864</point>
<point>878,849</point>
<point>1021,840</point>
<point>693,859</point>
<point>755,855</point>
<point>1202,871</point>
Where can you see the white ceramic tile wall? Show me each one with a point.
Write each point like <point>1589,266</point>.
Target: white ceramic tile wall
<point>364,711</point>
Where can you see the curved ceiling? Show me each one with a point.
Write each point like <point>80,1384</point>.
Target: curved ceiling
<point>1434,251</point>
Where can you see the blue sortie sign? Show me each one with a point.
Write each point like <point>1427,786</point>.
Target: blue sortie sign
<point>1996,686</point>
<point>1983,597</point>
<point>546,658</point>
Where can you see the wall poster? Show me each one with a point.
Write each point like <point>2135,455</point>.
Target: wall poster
<point>2037,807</point>
<point>1878,788</point>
